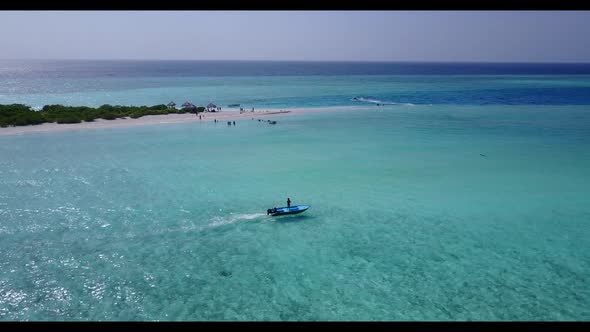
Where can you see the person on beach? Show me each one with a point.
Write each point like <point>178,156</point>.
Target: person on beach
<point>234,123</point>
<point>288,202</point>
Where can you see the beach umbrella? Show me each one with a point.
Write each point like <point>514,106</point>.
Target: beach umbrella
<point>211,105</point>
<point>187,104</point>
<point>171,104</point>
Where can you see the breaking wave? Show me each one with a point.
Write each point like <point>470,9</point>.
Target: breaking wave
<point>373,100</point>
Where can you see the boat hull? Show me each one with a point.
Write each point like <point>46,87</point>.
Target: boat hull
<point>283,211</point>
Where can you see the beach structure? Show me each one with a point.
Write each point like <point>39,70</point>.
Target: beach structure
<point>189,107</point>
<point>211,107</point>
<point>171,104</point>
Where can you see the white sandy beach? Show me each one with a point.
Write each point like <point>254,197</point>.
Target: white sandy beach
<point>231,115</point>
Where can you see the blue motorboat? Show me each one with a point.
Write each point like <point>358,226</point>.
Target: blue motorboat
<point>287,210</point>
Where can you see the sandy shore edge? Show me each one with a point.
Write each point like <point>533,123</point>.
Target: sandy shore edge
<point>226,115</point>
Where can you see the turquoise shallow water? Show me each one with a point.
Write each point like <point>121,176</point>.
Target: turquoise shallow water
<point>408,221</point>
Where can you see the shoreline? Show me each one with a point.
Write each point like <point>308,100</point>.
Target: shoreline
<point>147,120</point>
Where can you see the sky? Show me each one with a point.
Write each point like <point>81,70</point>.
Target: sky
<point>489,36</point>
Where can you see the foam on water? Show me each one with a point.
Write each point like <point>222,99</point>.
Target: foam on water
<point>232,218</point>
<point>371,100</point>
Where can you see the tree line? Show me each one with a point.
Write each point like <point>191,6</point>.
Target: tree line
<point>23,115</point>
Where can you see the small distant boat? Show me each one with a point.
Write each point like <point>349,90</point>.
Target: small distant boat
<point>287,210</point>
<point>233,105</point>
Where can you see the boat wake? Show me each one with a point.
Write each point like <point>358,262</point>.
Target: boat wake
<point>233,218</point>
<point>372,100</point>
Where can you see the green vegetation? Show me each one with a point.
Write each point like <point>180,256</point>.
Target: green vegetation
<point>22,115</point>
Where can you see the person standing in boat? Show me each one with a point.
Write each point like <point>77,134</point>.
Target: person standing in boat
<point>288,202</point>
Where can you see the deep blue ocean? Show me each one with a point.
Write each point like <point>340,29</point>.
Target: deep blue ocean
<point>291,84</point>
<point>172,68</point>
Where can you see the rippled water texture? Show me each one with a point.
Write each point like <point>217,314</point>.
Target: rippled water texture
<point>430,211</point>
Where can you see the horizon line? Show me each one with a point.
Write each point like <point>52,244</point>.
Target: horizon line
<point>308,61</point>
